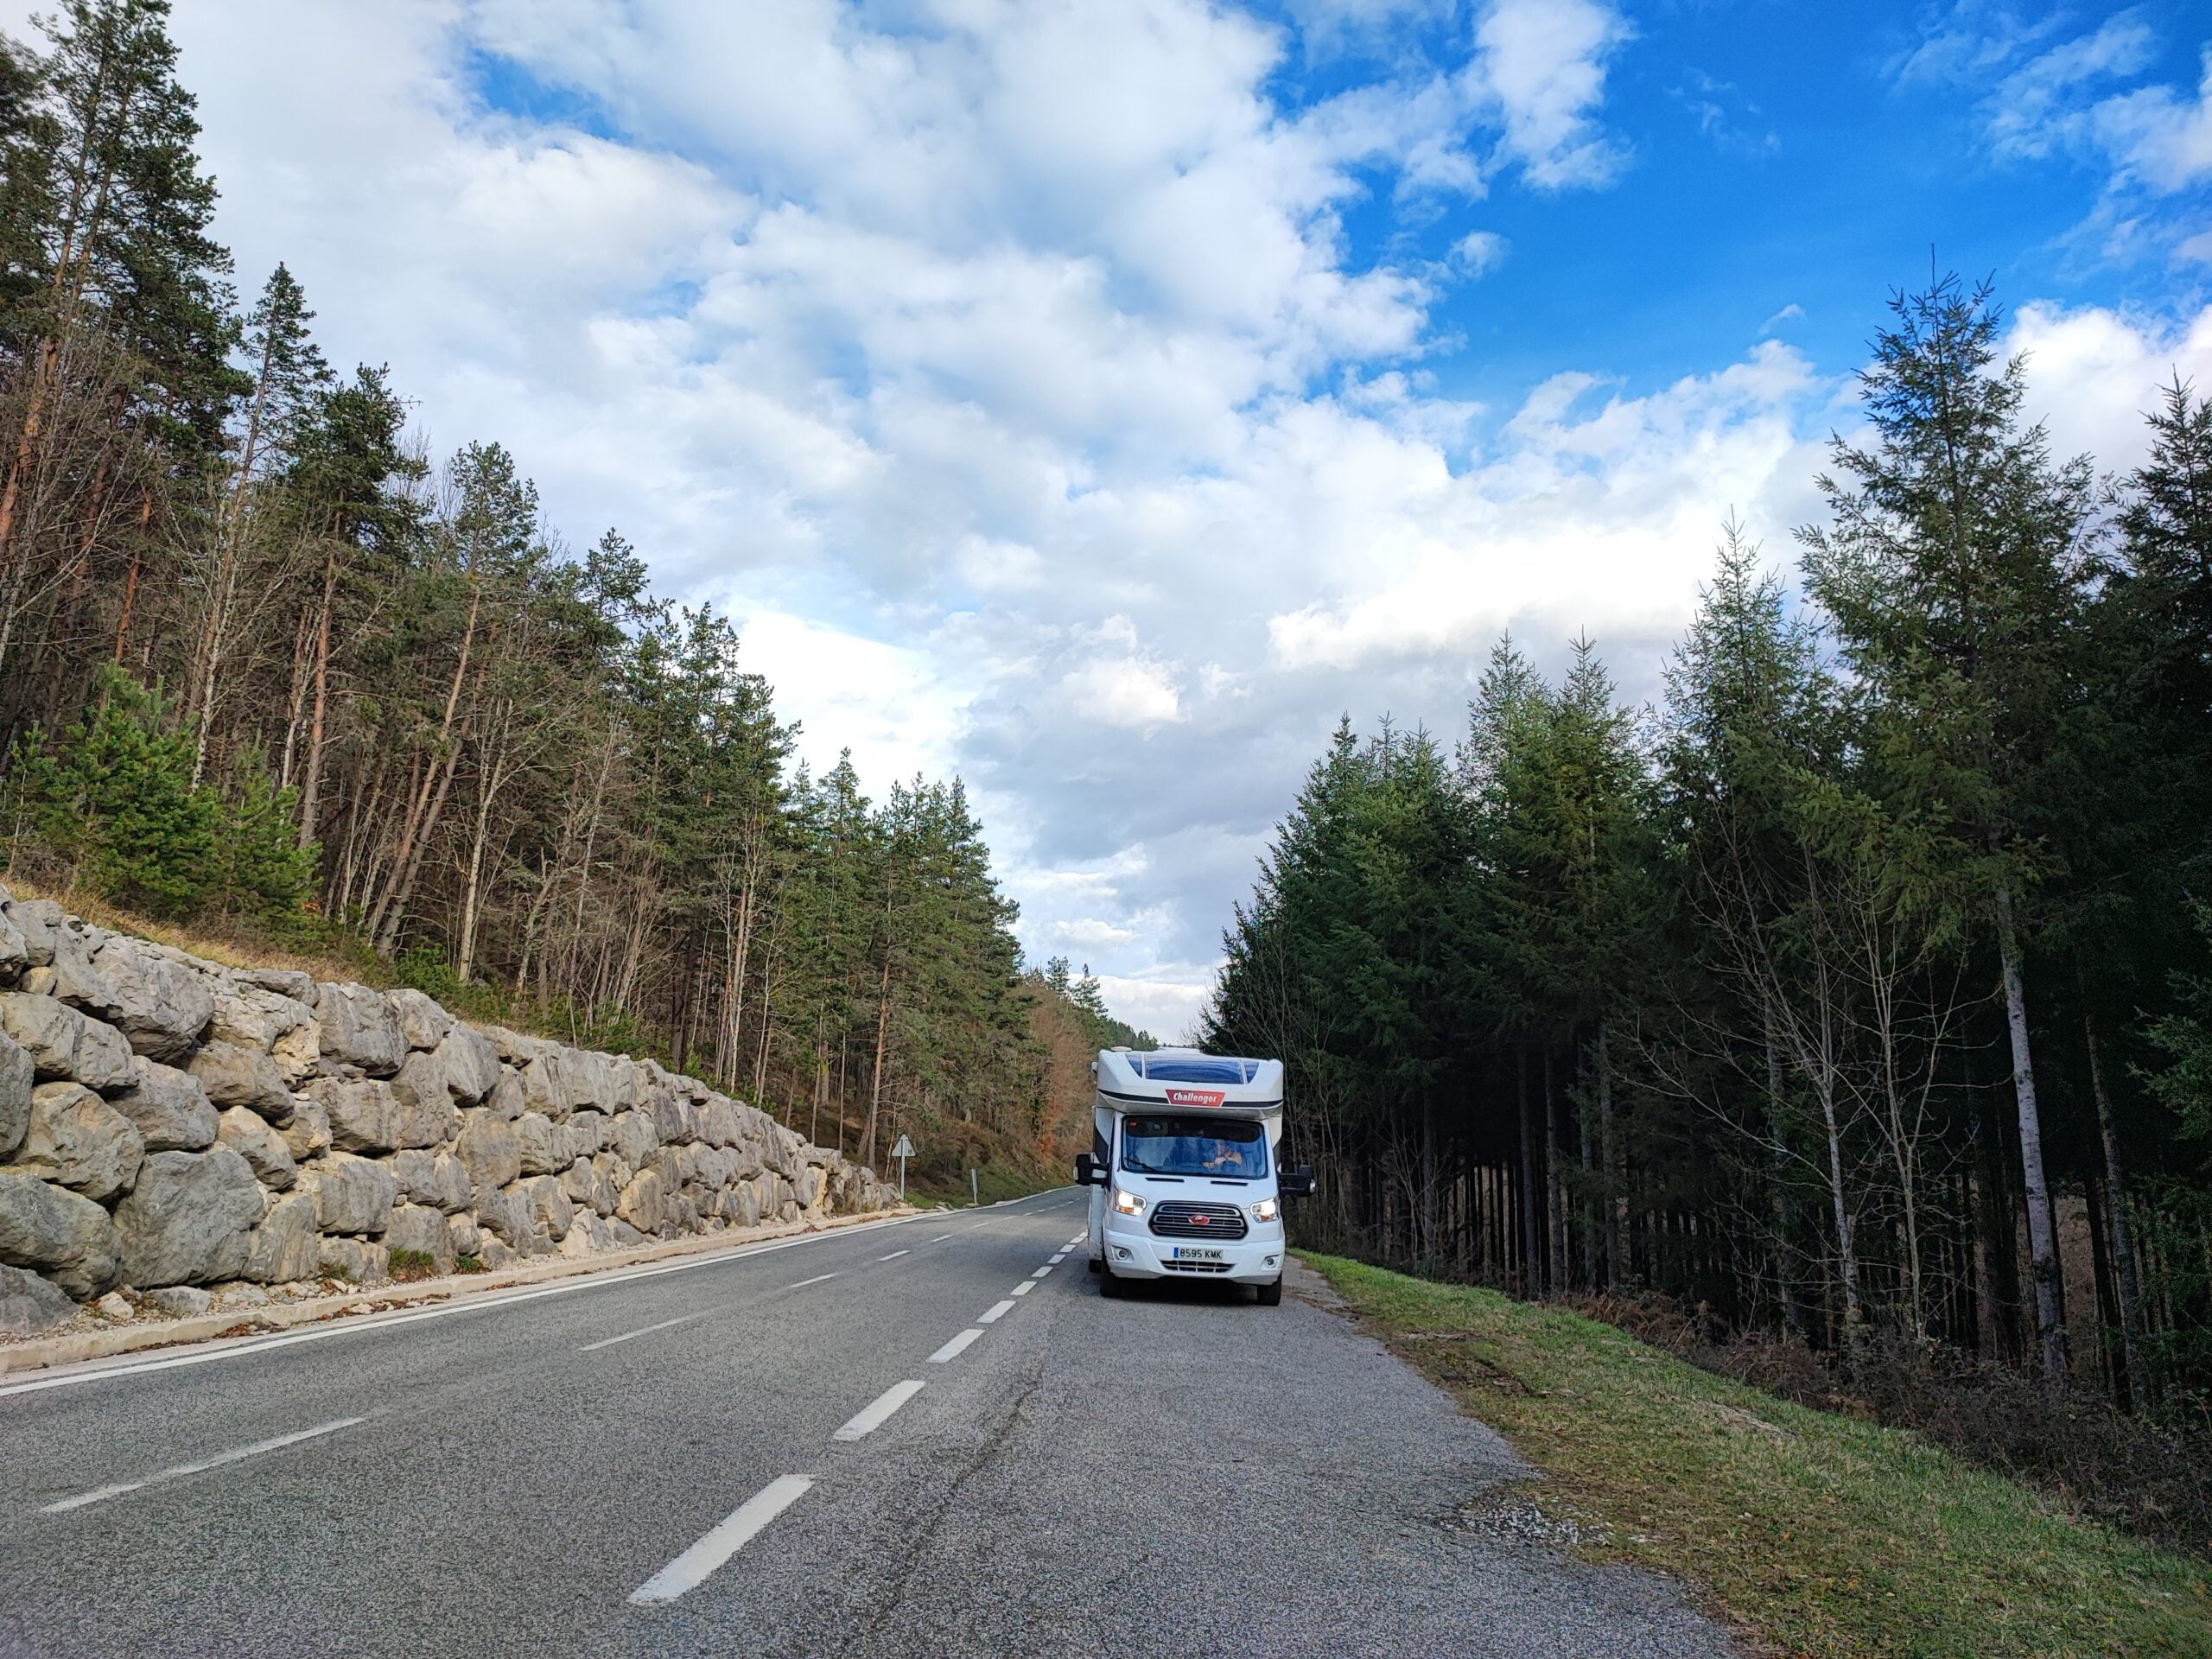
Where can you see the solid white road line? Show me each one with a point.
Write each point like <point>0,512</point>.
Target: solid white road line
<point>895,1256</point>
<point>954,1349</point>
<point>1023,1288</point>
<point>999,1311</point>
<point>817,1279</point>
<point>236,1455</point>
<point>878,1411</point>
<point>645,1332</point>
<point>692,1569</point>
<point>486,1304</point>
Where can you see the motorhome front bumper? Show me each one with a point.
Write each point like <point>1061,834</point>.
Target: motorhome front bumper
<point>1137,1253</point>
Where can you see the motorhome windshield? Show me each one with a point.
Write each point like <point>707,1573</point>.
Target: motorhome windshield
<point>1228,1148</point>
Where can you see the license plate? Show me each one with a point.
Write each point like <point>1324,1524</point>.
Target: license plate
<point>1196,1253</point>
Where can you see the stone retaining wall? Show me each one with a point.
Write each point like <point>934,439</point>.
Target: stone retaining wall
<point>166,1122</point>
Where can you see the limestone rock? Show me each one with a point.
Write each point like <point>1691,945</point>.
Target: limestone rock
<point>641,1203</point>
<point>589,1236</point>
<point>308,1132</point>
<point>417,1227</point>
<point>358,1027</point>
<point>506,1097</point>
<point>631,1135</point>
<point>494,1253</point>
<point>351,1195</point>
<point>64,1044</point>
<point>426,1116</point>
<point>248,1134</point>
<point>488,1149</point>
<point>421,1022</point>
<point>160,1006</point>
<point>180,1301</point>
<point>236,1076</point>
<point>115,1306</point>
<point>254,1016</point>
<point>29,1305</point>
<point>437,1178</point>
<point>67,1237</point>
<point>466,1238</point>
<point>588,1132</point>
<point>170,1109</point>
<point>17,1077</point>
<point>35,919</point>
<point>285,981</point>
<point>186,1220</point>
<point>550,1211</point>
<point>675,1120</point>
<point>71,975</point>
<point>503,1213</point>
<point>365,1115</point>
<point>286,1246</point>
<point>542,1146</point>
<point>15,953</point>
<point>357,1260</point>
<point>79,1141</point>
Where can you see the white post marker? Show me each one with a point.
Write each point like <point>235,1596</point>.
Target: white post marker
<point>902,1152</point>
<point>691,1568</point>
<point>975,1193</point>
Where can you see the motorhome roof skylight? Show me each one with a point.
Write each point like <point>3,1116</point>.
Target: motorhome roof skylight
<point>1193,1068</point>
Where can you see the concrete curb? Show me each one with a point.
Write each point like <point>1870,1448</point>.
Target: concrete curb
<point>43,1353</point>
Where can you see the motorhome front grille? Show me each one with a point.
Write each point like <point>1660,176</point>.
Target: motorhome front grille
<point>1196,1267</point>
<point>1180,1220</point>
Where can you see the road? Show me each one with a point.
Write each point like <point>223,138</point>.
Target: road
<point>927,1437</point>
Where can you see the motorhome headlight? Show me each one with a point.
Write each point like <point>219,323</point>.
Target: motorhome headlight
<point>1267,1209</point>
<point>1128,1203</point>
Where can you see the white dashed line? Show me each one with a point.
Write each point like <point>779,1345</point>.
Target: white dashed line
<point>1023,1288</point>
<point>692,1568</point>
<point>1043,1272</point>
<point>646,1331</point>
<point>999,1311</point>
<point>958,1345</point>
<point>878,1413</point>
<point>895,1256</point>
<point>1077,1239</point>
<point>939,1239</point>
<point>100,1494</point>
<point>816,1280</point>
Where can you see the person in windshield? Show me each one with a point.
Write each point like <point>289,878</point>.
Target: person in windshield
<point>1230,1150</point>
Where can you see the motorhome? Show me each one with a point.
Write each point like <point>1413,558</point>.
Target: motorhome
<point>1184,1172</point>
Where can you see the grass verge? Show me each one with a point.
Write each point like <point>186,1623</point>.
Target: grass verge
<point>1824,1534</point>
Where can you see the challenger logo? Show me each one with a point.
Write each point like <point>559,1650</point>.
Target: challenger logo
<point>1194,1097</point>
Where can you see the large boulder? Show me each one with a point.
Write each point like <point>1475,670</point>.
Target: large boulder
<point>35,919</point>
<point>351,1195</point>
<point>17,1077</point>
<point>421,1022</point>
<point>504,1213</point>
<point>462,1070</point>
<point>71,975</point>
<point>506,1097</point>
<point>68,1237</point>
<point>79,1141</point>
<point>467,1239</point>
<point>364,1113</point>
<point>14,948</point>
<point>64,1045</point>
<point>674,1120</point>
<point>438,1179</point>
<point>29,1305</point>
<point>187,1220</point>
<point>308,1132</point>
<point>286,1246</point>
<point>234,1074</point>
<point>248,1134</point>
<point>643,1201</point>
<point>357,1027</point>
<point>427,1117</point>
<point>285,981</point>
<point>631,1135</point>
<point>172,1111</point>
<point>488,1149</point>
<point>544,1145</point>
<point>550,1211</point>
<point>254,1016</point>
<point>161,1005</point>
<point>360,1259</point>
<point>590,1182</point>
<point>418,1228</point>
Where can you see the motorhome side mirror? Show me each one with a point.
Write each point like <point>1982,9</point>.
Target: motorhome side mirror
<point>1087,1171</point>
<point>1298,1181</point>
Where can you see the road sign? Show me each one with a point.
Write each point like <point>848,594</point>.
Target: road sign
<point>902,1152</point>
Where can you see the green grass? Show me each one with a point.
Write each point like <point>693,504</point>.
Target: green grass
<point>1824,1534</point>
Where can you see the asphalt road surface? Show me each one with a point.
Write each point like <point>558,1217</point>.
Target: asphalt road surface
<point>928,1437</point>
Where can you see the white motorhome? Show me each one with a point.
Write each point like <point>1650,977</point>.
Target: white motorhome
<point>1183,1170</point>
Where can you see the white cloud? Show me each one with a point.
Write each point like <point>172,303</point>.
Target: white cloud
<point>1478,253</point>
<point>1542,63</point>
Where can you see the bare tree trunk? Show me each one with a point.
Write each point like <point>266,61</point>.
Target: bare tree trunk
<point>311,789</point>
<point>2043,1242</point>
<point>1554,1189</point>
<point>2127,1285</point>
<point>1613,1198</point>
<point>1777,1138</point>
<point>875,1078</point>
<point>407,854</point>
<point>1532,1277</point>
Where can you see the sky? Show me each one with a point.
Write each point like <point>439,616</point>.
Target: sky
<point>1098,400</point>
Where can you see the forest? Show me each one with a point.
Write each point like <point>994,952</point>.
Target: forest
<point>1858,994</point>
<point>267,664</point>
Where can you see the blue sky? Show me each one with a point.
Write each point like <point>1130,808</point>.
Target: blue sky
<point>1098,397</point>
